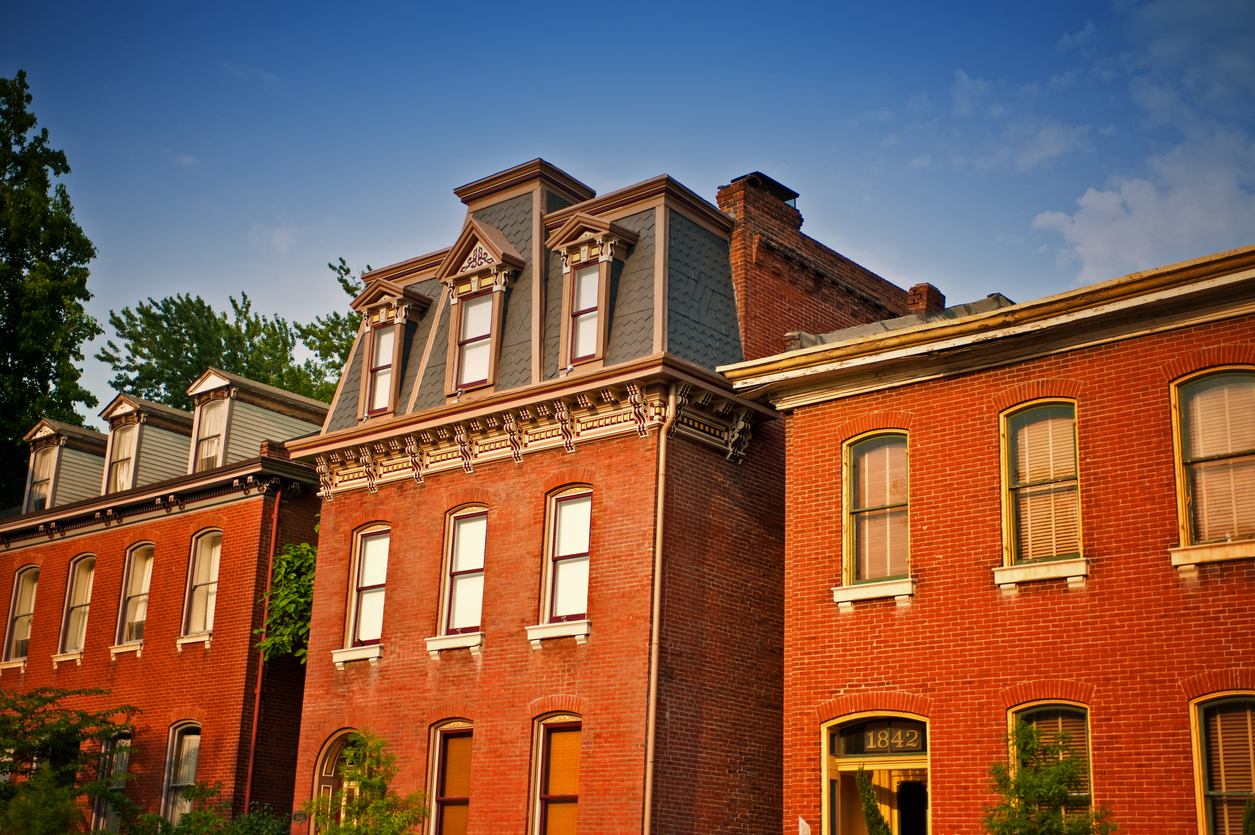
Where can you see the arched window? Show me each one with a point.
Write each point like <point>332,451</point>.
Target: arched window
<point>202,584</point>
<point>21,613</point>
<point>115,755</point>
<point>1216,467</point>
<point>1040,478</point>
<point>1224,751</point>
<point>893,750</point>
<point>451,784</point>
<point>877,544</point>
<point>78,598</point>
<point>559,740</point>
<point>183,757</point>
<point>329,785</point>
<point>133,612</point>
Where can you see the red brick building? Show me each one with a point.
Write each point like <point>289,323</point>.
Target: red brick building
<point>1042,511</point>
<point>139,566</point>
<point>550,562</point>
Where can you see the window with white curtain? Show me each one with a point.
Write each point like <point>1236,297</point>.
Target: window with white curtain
<point>122,458</point>
<point>77,601</point>
<point>184,754</point>
<point>210,436</point>
<point>22,614</point>
<point>42,469</point>
<point>134,613</point>
<point>202,587</point>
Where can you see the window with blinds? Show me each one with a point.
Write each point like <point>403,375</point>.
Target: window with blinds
<point>560,779</point>
<point>1071,722</point>
<point>878,512</point>
<point>453,781</point>
<point>1228,730</point>
<point>1042,483</point>
<point>1217,415</point>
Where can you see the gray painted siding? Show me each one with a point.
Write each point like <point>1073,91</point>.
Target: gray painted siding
<point>514,364</point>
<point>554,202</point>
<point>413,357</point>
<point>632,294</point>
<point>162,454</point>
<point>553,316</point>
<point>345,415</point>
<point>702,318</point>
<point>431,389</point>
<point>79,476</point>
<point>250,425</point>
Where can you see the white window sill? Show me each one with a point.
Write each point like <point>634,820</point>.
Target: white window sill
<point>474,641</point>
<point>137,648</point>
<point>19,664</point>
<point>372,653</point>
<point>1187,560</point>
<point>1007,577</point>
<point>900,590</point>
<point>184,640</point>
<point>577,629</point>
<point>67,657</point>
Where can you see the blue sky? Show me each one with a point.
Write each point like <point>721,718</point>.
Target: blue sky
<point>1018,148</point>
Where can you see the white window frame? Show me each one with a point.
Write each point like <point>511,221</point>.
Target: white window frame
<point>356,589</point>
<point>450,578</point>
<point>112,461</point>
<point>552,559</point>
<point>123,623</point>
<point>72,586</point>
<point>29,505</point>
<point>200,541</point>
<point>20,578</point>
<point>228,409</point>
<point>171,800</point>
<point>373,371</point>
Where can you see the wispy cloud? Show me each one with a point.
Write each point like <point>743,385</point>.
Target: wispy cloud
<point>186,159</point>
<point>926,161</point>
<point>890,141</point>
<point>1078,39</point>
<point>968,93</point>
<point>1034,142</point>
<point>268,80</point>
<point>279,239</point>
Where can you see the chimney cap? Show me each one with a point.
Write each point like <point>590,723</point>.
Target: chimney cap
<point>775,188</point>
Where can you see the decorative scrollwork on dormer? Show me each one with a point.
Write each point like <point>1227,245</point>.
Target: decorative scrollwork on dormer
<point>479,257</point>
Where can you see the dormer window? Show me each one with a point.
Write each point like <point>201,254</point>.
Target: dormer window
<point>475,341</point>
<point>381,356</point>
<point>210,435</point>
<point>121,458</point>
<point>584,318</point>
<point>387,309</point>
<point>44,466</point>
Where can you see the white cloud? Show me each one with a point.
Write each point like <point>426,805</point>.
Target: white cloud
<point>1079,39</point>
<point>1032,143</point>
<point>186,159</point>
<point>280,239</point>
<point>268,79</point>
<point>919,103</point>
<point>1200,198</point>
<point>926,161</point>
<point>1109,130</point>
<point>889,141</point>
<point>1064,81</point>
<point>968,93</point>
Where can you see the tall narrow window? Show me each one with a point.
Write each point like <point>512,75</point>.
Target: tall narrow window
<point>384,343</point>
<point>77,600</point>
<point>121,458</point>
<point>184,752</point>
<point>1228,758</point>
<point>368,595</point>
<point>41,479</point>
<point>877,533</point>
<point>1217,415</point>
<point>115,760</point>
<point>202,590</point>
<point>560,778</point>
<point>22,613</point>
<point>139,572</point>
<point>331,790</point>
<point>474,340</point>
<point>1042,483</point>
<point>1071,721</point>
<point>453,780</point>
<point>572,520</point>
<point>584,312</point>
<point>466,571</point>
<point>209,437</point>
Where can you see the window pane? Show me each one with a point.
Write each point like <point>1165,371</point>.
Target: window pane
<point>385,340</point>
<point>123,442</point>
<point>880,544</point>
<point>574,516</point>
<point>380,389</point>
<point>584,339</point>
<point>187,752</point>
<point>560,817</point>
<point>201,613</point>
<point>374,568</point>
<point>213,417</point>
<point>1219,415</point>
<point>44,459</point>
<point>1042,444</point>
<point>1229,737</point>
<point>455,780</point>
<point>136,614</point>
<point>141,570</point>
<point>370,615</point>
<point>84,571</point>
<point>1222,499</point>
<point>466,600</point>
<point>207,454</point>
<point>208,553</point>
<point>76,629</point>
<point>562,771</point>
<point>476,317</point>
<point>474,365</point>
<point>1052,721</point>
<point>587,283</point>
<point>570,587</point>
<point>469,536</point>
<point>879,472</point>
<point>26,593</point>
<point>1047,521</point>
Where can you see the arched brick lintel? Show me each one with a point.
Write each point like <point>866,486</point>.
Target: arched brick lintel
<point>569,476</point>
<point>1043,690</point>
<point>896,701</point>
<point>1204,358</point>
<point>450,710</point>
<point>1037,390</point>
<point>1218,681</point>
<point>872,421</point>
<point>558,703</point>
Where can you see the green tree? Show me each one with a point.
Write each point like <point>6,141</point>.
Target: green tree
<point>291,600</point>
<point>330,337</point>
<point>43,285</point>
<point>367,803</point>
<point>875,821</point>
<point>1043,789</point>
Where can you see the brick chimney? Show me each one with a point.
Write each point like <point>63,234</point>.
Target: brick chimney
<point>925,299</point>
<point>275,449</point>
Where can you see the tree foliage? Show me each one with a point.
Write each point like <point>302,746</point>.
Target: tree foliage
<point>43,285</point>
<point>166,344</point>
<point>875,821</point>
<point>210,815</point>
<point>1043,789</point>
<point>291,600</point>
<point>367,803</point>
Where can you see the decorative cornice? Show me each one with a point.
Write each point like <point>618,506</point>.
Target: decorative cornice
<point>536,169</point>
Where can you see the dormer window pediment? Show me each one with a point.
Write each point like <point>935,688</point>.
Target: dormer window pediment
<point>386,308</point>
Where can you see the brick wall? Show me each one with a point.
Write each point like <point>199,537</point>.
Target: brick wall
<point>1135,643</point>
<point>787,281</point>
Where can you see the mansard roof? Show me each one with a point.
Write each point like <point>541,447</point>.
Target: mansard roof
<point>167,417</point>
<point>475,234</point>
<point>580,226</point>
<point>294,405</point>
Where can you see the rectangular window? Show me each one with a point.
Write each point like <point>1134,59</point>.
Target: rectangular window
<point>466,571</point>
<point>185,751</point>
<point>381,369</point>
<point>878,494</point>
<point>475,340</point>
<point>1042,483</point>
<point>116,757</point>
<point>453,783</point>
<point>570,557</point>
<point>1228,730</point>
<point>210,435</point>
<point>560,779</point>
<point>77,602</point>
<point>372,572</point>
<point>41,479</point>
<point>203,584</point>
<point>584,311</point>
<point>135,595</point>
<point>1217,431</point>
<point>23,614</point>
<point>121,458</point>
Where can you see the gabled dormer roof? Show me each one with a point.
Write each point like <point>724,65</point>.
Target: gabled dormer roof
<point>580,227</point>
<point>379,289</point>
<point>158,414</point>
<point>285,402</point>
<point>76,437</point>
<point>480,245</point>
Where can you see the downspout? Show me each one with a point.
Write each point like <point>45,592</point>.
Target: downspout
<point>651,720</point>
<point>261,655</point>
